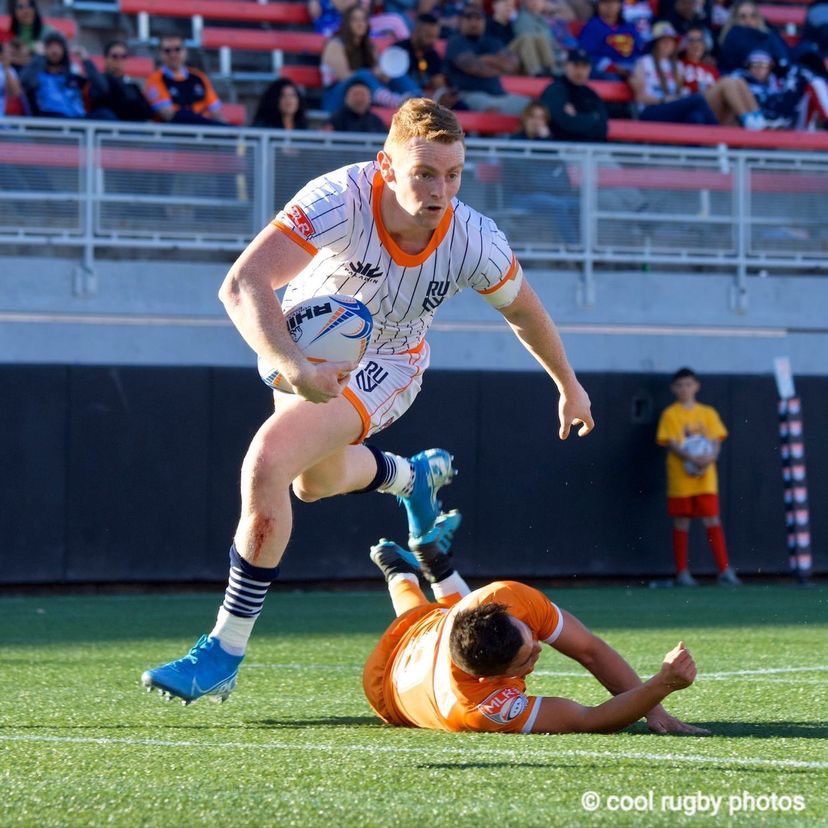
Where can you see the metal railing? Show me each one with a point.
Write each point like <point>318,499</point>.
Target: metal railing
<point>97,185</point>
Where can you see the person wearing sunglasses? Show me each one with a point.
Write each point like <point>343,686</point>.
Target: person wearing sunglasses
<point>120,98</point>
<point>179,93</point>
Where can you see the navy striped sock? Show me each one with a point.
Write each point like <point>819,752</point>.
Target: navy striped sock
<point>247,586</point>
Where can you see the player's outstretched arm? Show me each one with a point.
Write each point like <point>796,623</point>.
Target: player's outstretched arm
<point>566,716</point>
<point>269,262</point>
<point>533,326</point>
<point>611,669</point>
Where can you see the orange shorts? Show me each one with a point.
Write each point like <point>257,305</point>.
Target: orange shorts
<point>373,676</point>
<point>696,506</point>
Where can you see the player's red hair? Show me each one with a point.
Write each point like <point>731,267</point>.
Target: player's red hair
<point>423,118</point>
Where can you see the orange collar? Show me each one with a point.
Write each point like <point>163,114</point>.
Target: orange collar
<point>399,256</point>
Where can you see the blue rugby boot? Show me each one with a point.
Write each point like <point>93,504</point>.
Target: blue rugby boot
<point>431,554</point>
<point>206,670</point>
<point>392,559</point>
<point>432,470</point>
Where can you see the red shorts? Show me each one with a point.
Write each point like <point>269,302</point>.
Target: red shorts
<point>696,506</point>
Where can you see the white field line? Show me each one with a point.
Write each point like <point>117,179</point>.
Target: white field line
<point>464,753</point>
<point>760,671</point>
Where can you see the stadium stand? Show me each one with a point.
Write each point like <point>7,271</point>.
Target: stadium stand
<point>65,25</point>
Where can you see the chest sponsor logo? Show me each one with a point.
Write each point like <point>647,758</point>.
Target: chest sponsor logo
<point>365,270</point>
<point>301,222</point>
<point>435,293</point>
<point>504,705</point>
<point>370,377</point>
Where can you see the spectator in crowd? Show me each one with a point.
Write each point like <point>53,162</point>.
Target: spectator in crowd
<point>326,16</point>
<point>687,14</point>
<point>355,113</point>
<point>475,63</point>
<point>27,25</point>
<point>350,53</point>
<point>658,87</point>
<point>281,107</point>
<point>53,88</point>
<point>815,31</point>
<point>538,51</point>
<point>500,23</point>
<point>639,13</point>
<point>425,66</point>
<point>179,93</point>
<point>729,97</point>
<point>119,98</point>
<point>746,31</point>
<point>693,433</point>
<point>10,88</point>
<point>19,52</point>
<point>543,189</point>
<point>577,112</point>
<point>612,43</point>
<point>794,101</point>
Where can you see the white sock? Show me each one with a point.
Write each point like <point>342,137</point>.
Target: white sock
<point>232,631</point>
<point>453,585</point>
<point>404,576</point>
<point>399,475</point>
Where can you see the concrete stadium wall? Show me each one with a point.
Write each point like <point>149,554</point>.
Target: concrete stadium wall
<point>163,313</point>
<point>131,474</point>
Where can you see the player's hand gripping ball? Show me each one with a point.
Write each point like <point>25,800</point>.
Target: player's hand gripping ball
<point>334,328</point>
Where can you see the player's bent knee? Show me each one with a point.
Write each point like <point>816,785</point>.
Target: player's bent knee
<point>305,493</point>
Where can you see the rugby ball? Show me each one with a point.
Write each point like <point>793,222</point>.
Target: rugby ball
<point>334,328</point>
<point>696,446</point>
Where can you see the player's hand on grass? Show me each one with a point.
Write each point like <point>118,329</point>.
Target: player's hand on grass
<point>574,408</point>
<point>661,722</point>
<point>678,670</point>
<point>322,382</point>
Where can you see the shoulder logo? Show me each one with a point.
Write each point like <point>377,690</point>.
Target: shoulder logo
<point>364,270</point>
<point>301,223</point>
<point>504,705</point>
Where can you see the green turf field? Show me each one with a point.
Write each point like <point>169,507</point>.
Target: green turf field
<point>82,744</point>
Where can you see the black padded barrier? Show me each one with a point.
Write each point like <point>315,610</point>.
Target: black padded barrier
<point>119,474</point>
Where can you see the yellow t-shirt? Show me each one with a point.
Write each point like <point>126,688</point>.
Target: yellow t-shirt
<point>677,423</point>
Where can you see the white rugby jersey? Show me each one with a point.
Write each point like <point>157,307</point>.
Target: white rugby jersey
<point>336,218</point>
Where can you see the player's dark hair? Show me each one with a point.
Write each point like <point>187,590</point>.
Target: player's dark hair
<point>484,641</point>
<point>684,373</point>
<point>427,19</point>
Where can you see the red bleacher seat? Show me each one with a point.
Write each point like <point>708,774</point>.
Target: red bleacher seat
<point>65,25</point>
<point>308,76</point>
<point>784,15</point>
<point>134,67</point>
<point>236,10</point>
<point>234,113</point>
<point>263,41</point>
<point>649,132</point>
<point>480,123</point>
<point>610,91</point>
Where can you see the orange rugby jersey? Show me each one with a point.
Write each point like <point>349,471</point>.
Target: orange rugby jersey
<point>336,218</point>
<point>424,688</point>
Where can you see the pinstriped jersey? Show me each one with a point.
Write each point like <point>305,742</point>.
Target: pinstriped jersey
<point>336,218</point>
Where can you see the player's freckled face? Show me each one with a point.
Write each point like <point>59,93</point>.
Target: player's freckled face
<point>423,176</point>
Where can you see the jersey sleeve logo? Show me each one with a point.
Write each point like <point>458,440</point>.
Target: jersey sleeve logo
<point>503,706</point>
<point>301,223</point>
